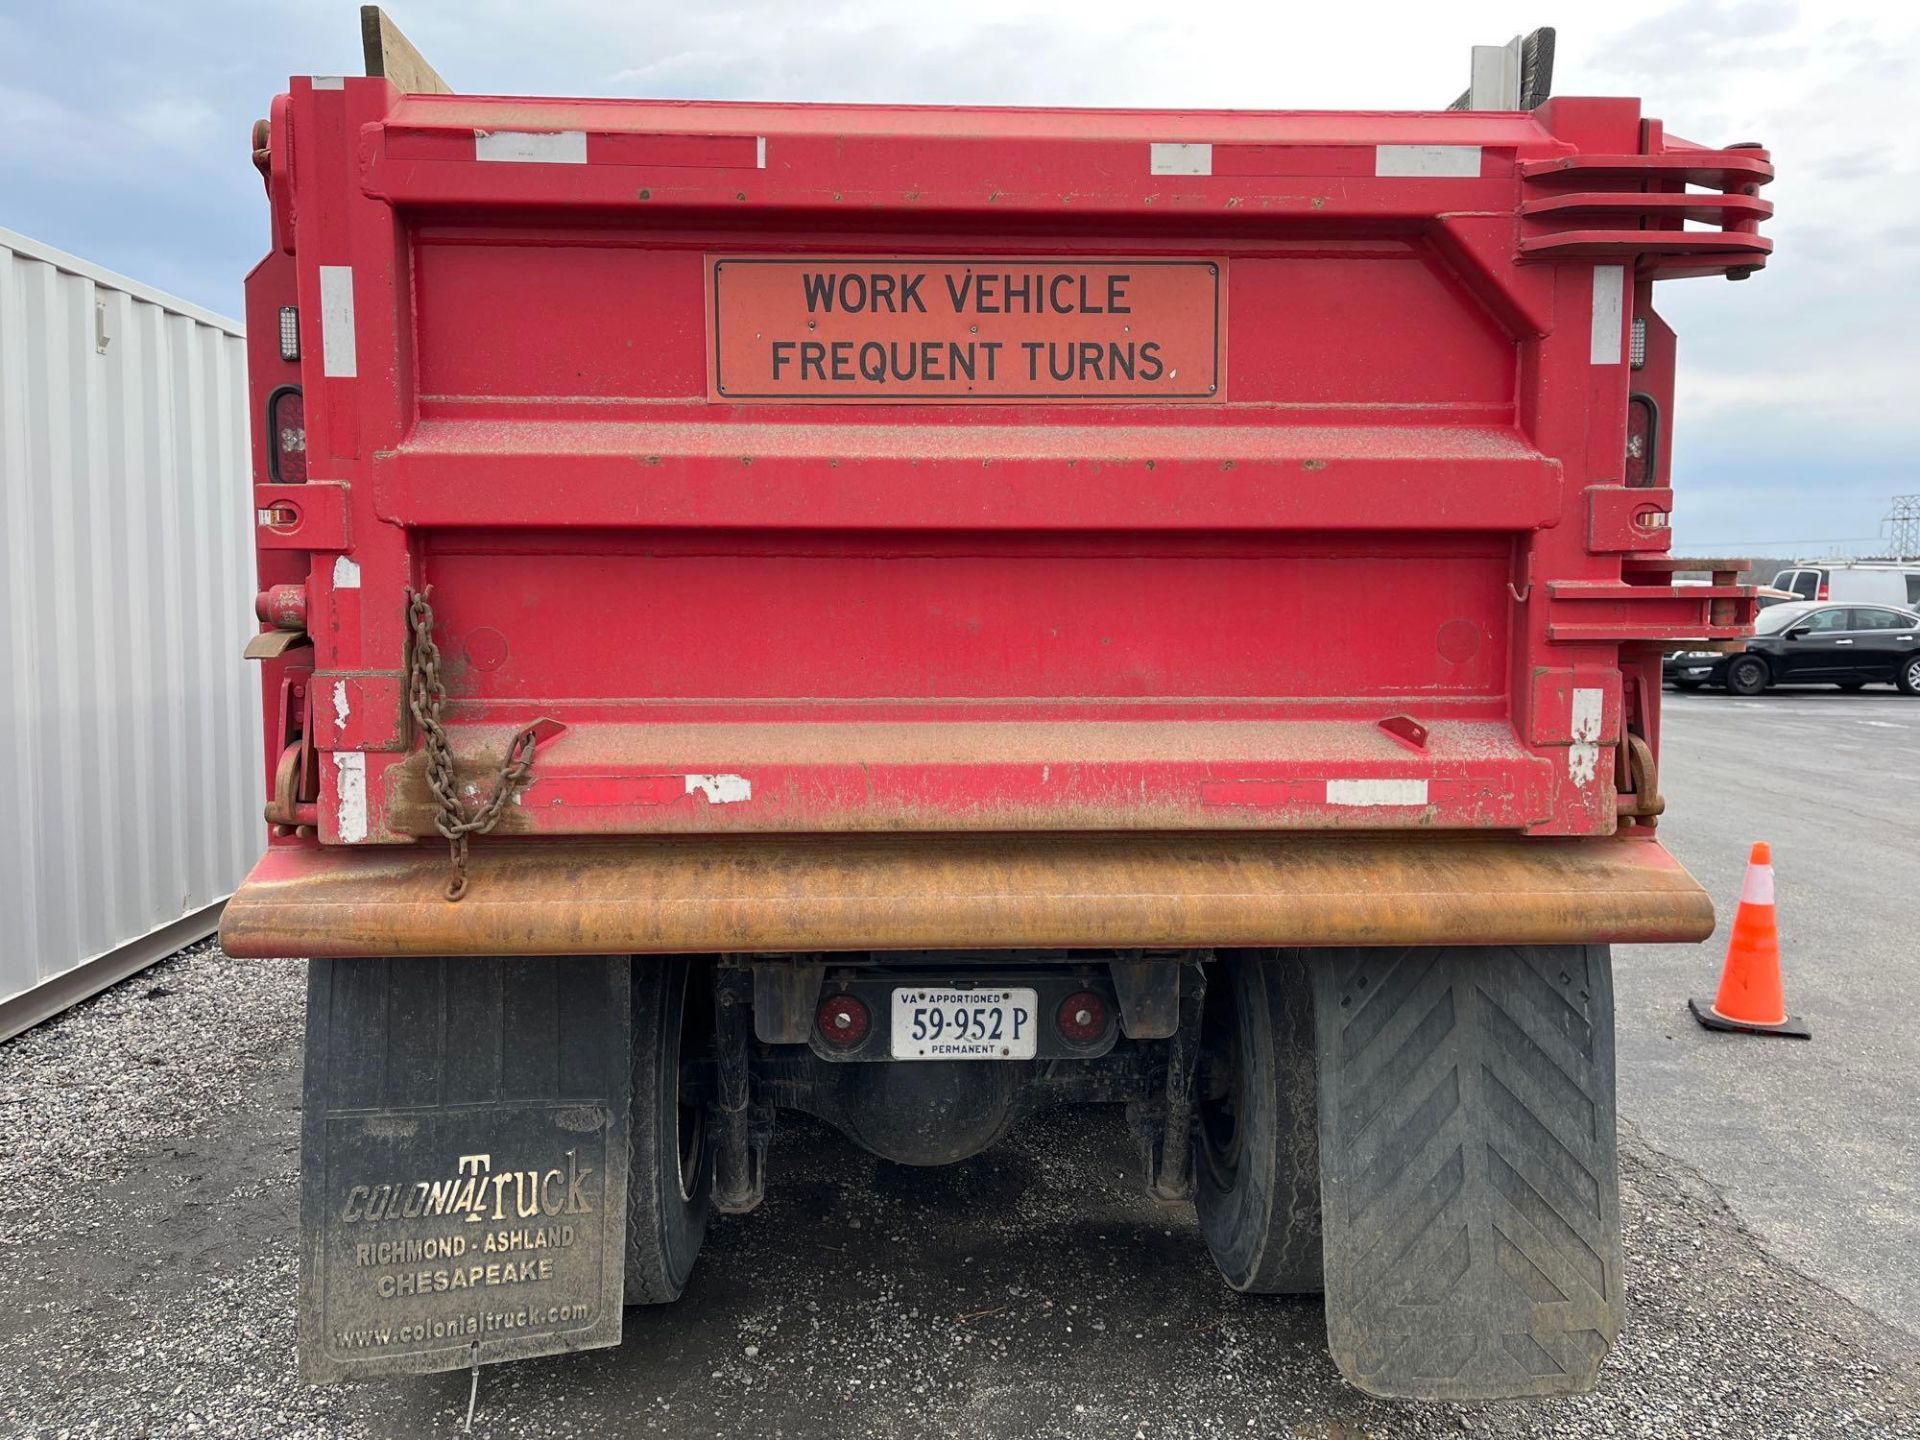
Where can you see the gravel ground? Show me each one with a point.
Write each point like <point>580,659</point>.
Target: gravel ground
<point>148,1203</point>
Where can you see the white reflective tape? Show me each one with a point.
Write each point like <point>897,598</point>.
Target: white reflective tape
<point>1583,756</point>
<point>342,707</point>
<point>760,151</point>
<point>721,789</point>
<point>346,574</point>
<point>329,82</point>
<point>1588,708</point>
<point>1376,792</point>
<point>1456,161</point>
<point>337,353</point>
<point>536,147</point>
<point>1609,314</point>
<point>351,786</point>
<point>1583,762</point>
<point>1758,889</point>
<point>1180,159</point>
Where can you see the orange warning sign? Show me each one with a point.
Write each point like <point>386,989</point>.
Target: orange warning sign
<point>872,329</point>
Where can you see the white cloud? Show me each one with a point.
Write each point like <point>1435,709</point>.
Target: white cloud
<point>34,123</point>
<point>52,136</point>
<point>172,122</point>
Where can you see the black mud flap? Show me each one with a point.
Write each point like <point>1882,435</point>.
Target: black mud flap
<point>464,1162</point>
<point>1468,1173</point>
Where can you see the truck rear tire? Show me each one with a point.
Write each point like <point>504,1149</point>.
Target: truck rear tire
<point>1256,1137</point>
<point>670,1173</point>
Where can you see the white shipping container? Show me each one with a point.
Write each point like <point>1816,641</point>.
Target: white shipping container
<point>130,776</point>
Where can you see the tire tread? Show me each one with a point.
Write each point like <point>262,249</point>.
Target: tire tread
<point>1264,1231</point>
<point>664,1232</point>
<point>1468,1169</point>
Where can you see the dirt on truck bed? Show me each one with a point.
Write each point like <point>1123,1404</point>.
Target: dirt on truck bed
<point>148,1218</point>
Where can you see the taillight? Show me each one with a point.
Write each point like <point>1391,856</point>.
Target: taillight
<point>1081,1018</point>
<point>1821,593</point>
<point>843,1021</point>
<point>1643,440</point>
<point>287,436</point>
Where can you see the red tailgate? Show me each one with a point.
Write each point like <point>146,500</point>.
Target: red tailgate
<point>816,469</point>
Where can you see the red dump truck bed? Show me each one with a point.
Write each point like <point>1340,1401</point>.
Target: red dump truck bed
<point>807,469</point>
<point>764,602</point>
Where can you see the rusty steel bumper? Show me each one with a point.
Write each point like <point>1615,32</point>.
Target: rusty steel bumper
<point>811,893</point>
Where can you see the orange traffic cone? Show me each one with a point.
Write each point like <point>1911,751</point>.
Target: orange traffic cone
<point>1750,998</point>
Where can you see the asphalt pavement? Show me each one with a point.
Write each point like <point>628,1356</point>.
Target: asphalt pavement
<point>148,1205</point>
<point>1816,1145</point>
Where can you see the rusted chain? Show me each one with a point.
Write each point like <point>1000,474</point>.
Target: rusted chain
<point>426,695</point>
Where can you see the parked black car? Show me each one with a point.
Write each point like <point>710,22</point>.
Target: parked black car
<point>1805,643</point>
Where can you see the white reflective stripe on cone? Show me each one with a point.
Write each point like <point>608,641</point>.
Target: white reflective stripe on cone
<point>1758,889</point>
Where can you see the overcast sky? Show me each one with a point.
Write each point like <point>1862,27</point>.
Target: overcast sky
<point>123,138</point>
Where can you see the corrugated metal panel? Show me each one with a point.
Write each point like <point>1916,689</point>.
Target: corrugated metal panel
<point>130,786</point>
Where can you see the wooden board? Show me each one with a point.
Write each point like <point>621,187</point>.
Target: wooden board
<point>392,56</point>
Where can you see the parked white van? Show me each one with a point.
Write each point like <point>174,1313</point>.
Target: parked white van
<point>1869,583</point>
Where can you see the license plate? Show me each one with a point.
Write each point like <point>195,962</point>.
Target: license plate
<point>965,1024</point>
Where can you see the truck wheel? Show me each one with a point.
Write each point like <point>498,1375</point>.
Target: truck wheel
<point>1257,1156</point>
<point>670,1175</point>
<point>1747,675</point>
<point>1909,677</point>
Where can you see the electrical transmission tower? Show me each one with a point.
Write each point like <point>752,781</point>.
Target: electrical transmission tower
<point>1903,527</point>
